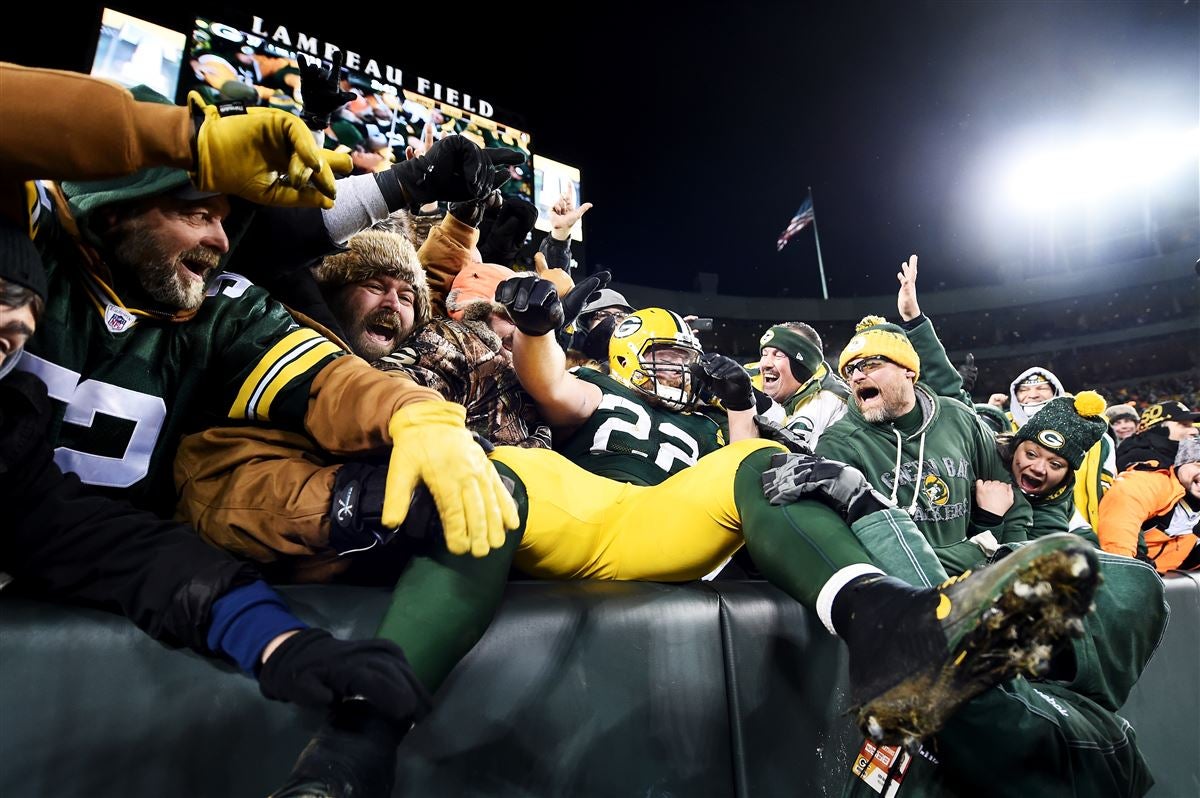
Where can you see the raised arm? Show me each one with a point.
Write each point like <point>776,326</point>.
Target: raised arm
<point>936,369</point>
<point>535,308</point>
<point>101,130</point>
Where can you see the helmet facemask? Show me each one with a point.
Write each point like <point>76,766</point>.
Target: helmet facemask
<point>651,351</point>
<point>663,374</point>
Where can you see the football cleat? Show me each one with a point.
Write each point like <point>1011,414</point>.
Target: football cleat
<point>978,630</point>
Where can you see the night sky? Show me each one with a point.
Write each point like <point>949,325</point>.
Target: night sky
<point>698,130</point>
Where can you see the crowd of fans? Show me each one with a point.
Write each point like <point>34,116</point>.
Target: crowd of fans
<point>362,389</point>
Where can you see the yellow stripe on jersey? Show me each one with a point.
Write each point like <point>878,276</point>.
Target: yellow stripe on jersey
<point>270,366</point>
<point>37,204</point>
<point>297,367</point>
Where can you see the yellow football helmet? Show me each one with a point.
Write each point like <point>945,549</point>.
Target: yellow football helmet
<point>650,351</point>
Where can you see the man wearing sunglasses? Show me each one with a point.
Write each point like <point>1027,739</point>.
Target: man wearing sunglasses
<point>928,453</point>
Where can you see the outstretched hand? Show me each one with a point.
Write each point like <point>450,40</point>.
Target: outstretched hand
<point>906,298</point>
<point>532,303</point>
<point>246,153</point>
<point>455,169</point>
<point>574,300</point>
<point>321,90</point>
<point>726,378</point>
<point>564,215</point>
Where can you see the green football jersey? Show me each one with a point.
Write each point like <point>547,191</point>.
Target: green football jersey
<point>630,440</point>
<point>128,386</point>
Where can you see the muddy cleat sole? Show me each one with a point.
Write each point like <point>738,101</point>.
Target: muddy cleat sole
<point>1002,621</point>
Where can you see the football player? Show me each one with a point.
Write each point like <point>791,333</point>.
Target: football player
<point>650,492</point>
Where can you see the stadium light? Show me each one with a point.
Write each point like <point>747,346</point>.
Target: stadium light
<point>1044,178</point>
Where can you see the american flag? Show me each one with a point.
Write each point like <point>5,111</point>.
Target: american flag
<point>803,217</point>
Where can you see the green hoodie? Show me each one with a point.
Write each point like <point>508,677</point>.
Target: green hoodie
<point>941,449</point>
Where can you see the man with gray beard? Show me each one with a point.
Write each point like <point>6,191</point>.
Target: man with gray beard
<point>928,453</point>
<point>144,241</point>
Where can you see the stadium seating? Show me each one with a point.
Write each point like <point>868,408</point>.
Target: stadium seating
<point>578,689</point>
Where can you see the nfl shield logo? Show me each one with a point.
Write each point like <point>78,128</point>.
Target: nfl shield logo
<point>118,320</point>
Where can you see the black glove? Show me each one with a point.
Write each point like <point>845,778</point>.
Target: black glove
<point>356,511</point>
<point>802,476</point>
<point>768,430</point>
<point>577,297</point>
<point>969,372</point>
<point>762,402</point>
<point>454,170</point>
<point>727,380</point>
<point>472,212</point>
<point>504,230</point>
<point>532,303</point>
<point>315,669</point>
<point>321,88</point>
<point>595,341</point>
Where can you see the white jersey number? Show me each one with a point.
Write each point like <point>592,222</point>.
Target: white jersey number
<point>640,430</point>
<point>84,400</point>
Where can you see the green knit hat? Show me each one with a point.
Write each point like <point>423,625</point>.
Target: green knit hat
<point>806,357</point>
<point>875,337</point>
<point>1068,426</point>
<point>87,196</point>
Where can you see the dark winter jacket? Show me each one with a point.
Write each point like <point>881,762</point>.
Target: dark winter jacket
<point>58,541</point>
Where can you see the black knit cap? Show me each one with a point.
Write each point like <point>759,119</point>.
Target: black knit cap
<point>20,262</point>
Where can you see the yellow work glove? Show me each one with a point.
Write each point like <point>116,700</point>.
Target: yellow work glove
<point>264,155</point>
<point>430,444</point>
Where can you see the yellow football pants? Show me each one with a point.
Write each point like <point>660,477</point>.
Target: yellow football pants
<point>581,526</point>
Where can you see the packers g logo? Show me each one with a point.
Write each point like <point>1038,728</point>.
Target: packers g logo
<point>856,344</point>
<point>935,490</point>
<point>767,336</point>
<point>1051,439</point>
<point>628,327</point>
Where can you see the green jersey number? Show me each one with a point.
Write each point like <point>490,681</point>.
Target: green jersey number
<point>640,429</point>
<point>84,400</point>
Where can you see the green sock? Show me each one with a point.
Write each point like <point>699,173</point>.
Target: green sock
<point>798,546</point>
<point>444,602</point>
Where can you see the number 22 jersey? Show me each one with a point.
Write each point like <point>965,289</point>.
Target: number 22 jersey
<point>629,439</point>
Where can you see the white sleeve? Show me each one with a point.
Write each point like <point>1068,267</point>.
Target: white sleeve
<point>816,415</point>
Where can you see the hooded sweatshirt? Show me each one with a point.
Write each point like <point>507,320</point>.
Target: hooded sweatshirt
<point>927,461</point>
<point>1020,414</point>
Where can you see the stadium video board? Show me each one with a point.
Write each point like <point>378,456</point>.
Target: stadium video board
<point>132,51</point>
<point>260,66</point>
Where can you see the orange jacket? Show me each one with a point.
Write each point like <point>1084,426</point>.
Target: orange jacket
<point>1137,508</point>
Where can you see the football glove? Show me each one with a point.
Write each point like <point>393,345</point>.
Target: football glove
<point>532,303</point>
<point>843,487</point>
<point>727,380</point>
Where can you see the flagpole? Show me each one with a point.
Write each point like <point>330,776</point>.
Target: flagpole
<point>817,238</point>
